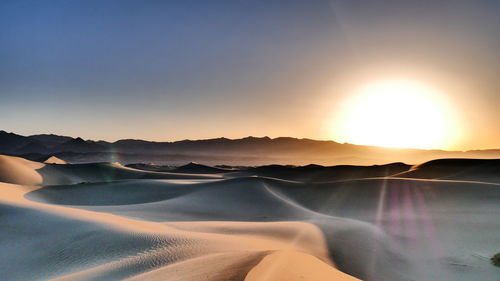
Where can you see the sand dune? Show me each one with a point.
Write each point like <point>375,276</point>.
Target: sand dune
<point>195,168</point>
<point>18,170</point>
<point>21,171</point>
<point>191,168</point>
<point>294,266</point>
<point>54,160</point>
<point>107,222</point>
<point>316,173</point>
<point>457,169</point>
<point>98,245</point>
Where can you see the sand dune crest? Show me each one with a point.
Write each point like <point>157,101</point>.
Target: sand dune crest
<point>295,266</point>
<point>19,171</point>
<point>54,160</point>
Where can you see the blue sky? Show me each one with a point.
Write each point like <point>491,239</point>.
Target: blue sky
<point>168,70</point>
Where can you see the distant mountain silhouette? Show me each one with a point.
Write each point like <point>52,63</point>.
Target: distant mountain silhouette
<point>32,147</point>
<point>79,145</point>
<point>10,142</point>
<point>247,151</point>
<point>50,140</point>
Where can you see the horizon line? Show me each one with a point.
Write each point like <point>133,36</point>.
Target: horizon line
<point>250,136</point>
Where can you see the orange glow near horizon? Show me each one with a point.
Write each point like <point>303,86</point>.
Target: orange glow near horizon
<point>399,114</point>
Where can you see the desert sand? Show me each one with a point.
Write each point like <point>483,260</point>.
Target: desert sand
<point>55,160</point>
<point>104,221</point>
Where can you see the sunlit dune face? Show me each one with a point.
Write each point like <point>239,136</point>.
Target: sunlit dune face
<point>396,113</point>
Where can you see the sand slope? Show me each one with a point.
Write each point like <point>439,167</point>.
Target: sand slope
<point>294,266</point>
<point>106,222</point>
<point>54,160</point>
<point>18,170</point>
<point>483,170</point>
<point>72,244</point>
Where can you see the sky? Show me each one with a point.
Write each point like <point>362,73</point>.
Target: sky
<point>173,70</point>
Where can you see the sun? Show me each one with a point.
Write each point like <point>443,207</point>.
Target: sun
<point>396,113</point>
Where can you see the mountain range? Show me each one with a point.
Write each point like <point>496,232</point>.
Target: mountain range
<point>245,151</point>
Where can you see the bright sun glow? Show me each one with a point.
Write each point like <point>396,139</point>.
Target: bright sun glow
<point>397,113</point>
